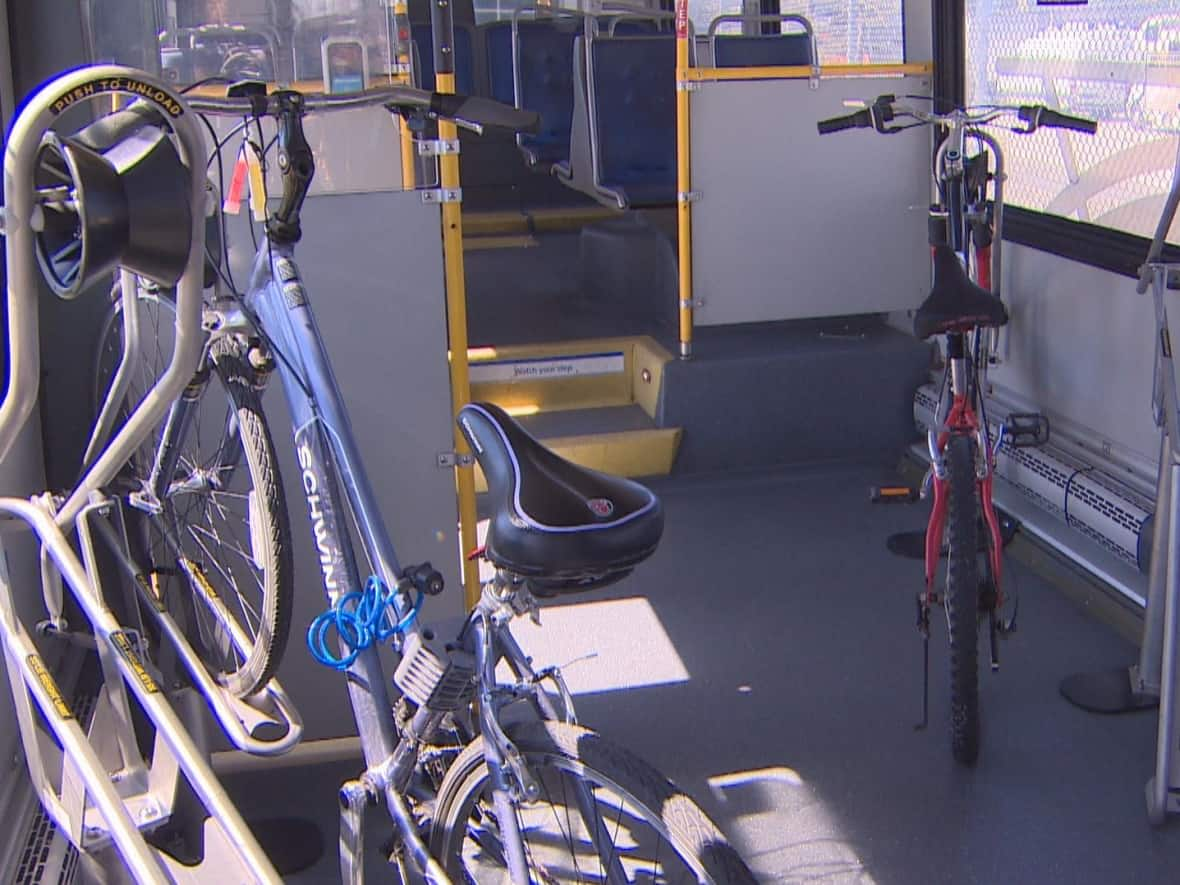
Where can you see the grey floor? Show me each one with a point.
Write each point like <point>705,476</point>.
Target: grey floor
<point>774,672</point>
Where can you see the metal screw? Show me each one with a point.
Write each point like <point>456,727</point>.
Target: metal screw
<point>646,376</point>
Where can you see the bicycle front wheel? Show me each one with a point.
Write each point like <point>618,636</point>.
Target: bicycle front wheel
<point>215,542</point>
<point>962,598</point>
<point>600,807</point>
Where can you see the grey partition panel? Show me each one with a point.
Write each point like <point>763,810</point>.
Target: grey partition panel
<point>374,267</point>
<point>792,224</point>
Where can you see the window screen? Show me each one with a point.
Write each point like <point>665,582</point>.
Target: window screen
<point>1115,61</point>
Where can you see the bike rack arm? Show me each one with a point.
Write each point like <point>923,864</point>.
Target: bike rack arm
<point>23,216</point>
<point>1161,229</point>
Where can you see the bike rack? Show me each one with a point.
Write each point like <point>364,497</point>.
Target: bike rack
<point>1156,676</point>
<point>90,777</point>
<point>1157,670</point>
<point>240,718</point>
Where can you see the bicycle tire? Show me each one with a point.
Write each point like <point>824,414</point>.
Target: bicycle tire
<point>559,753</point>
<point>233,539</point>
<point>962,598</point>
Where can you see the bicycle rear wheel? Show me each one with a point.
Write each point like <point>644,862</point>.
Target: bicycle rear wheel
<point>650,829</point>
<point>962,598</point>
<point>215,544</point>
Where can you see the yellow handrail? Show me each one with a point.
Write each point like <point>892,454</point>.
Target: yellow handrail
<point>803,72</point>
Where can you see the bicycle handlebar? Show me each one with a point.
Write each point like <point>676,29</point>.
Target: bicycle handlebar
<point>470,111</point>
<point>482,112</point>
<point>1039,115</point>
<point>859,120</point>
<point>296,159</point>
<point>885,109</point>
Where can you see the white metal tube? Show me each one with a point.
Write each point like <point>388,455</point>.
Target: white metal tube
<point>1159,787</point>
<point>168,724</point>
<point>127,361</point>
<point>21,217</point>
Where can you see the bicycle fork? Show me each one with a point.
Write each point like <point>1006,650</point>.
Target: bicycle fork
<point>509,774</point>
<point>960,419</point>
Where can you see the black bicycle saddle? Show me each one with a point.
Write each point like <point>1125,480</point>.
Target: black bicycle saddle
<point>955,302</point>
<point>562,527</point>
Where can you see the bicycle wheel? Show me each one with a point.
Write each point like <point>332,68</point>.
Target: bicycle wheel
<point>216,545</point>
<point>652,830</point>
<point>962,598</point>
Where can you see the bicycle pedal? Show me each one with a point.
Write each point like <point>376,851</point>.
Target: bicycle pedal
<point>892,495</point>
<point>1027,430</point>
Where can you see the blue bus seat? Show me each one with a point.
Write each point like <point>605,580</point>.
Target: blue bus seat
<point>792,49</point>
<point>741,51</point>
<point>546,63</point>
<point>423,39</point>
<point>631,111</point>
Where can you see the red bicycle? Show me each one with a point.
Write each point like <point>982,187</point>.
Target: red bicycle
<point>965,228</point>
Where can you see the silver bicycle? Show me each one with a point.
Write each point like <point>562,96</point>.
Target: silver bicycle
<point>484,779</point>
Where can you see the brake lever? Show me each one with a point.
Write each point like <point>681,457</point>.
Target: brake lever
<point>416,119</point>
<point>882,112</point>
<point>469,125</point>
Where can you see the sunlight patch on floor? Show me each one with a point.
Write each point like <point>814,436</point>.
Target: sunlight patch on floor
<point>798,839</point>
<point>609,645</point>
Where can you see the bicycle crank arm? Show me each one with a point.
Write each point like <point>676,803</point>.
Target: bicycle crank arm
<point>924,629</point>
<point>992,636</point>
<point>921,726</point>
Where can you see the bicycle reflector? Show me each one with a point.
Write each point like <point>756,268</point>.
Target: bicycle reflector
<point>114,194</point>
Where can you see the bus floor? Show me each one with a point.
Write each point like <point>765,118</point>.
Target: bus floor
<point>766,659</point>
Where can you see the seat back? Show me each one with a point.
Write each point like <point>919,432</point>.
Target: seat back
<point>631,96</point>
<point>794,48</point>
<point>423,38</point>
<point>530,64</point>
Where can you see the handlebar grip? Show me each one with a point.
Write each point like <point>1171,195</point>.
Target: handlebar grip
<point>483,112</point>
<point>1039,115</point>
<point>1064,121</point>
<point>859,120</point>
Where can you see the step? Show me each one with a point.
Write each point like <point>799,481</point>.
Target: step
<point>527,221</point>
<point>593,401</point>
<point>481,242</point>
<point>585,374</point>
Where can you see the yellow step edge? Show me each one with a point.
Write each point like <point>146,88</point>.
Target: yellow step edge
<point>530,220</point>
<point>497,241</point>
<point>636,381</point>
<point>622,453</point>
<point>511,222</point>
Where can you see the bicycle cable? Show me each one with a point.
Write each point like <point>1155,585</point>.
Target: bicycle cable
<point>361,619</point>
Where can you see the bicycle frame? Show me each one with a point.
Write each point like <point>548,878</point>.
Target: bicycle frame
<point>966,363</point>
<point>335,485</point>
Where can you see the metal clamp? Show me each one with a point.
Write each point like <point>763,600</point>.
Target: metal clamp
<point>688,196</point>
<point>691,303</point>
<point>443,195</point>
<point>438,147</point>
<point>447,460</point>
<point>688,85</point>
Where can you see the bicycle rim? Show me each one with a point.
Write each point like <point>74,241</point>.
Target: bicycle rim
<point>647,828</point>
<point>216,547</point>
<point>962,599</point>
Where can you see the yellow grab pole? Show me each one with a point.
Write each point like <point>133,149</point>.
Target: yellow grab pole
<point>443,30</point>
<point>452,219</point>
<point>401,52</point>
<point>683,179</point>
